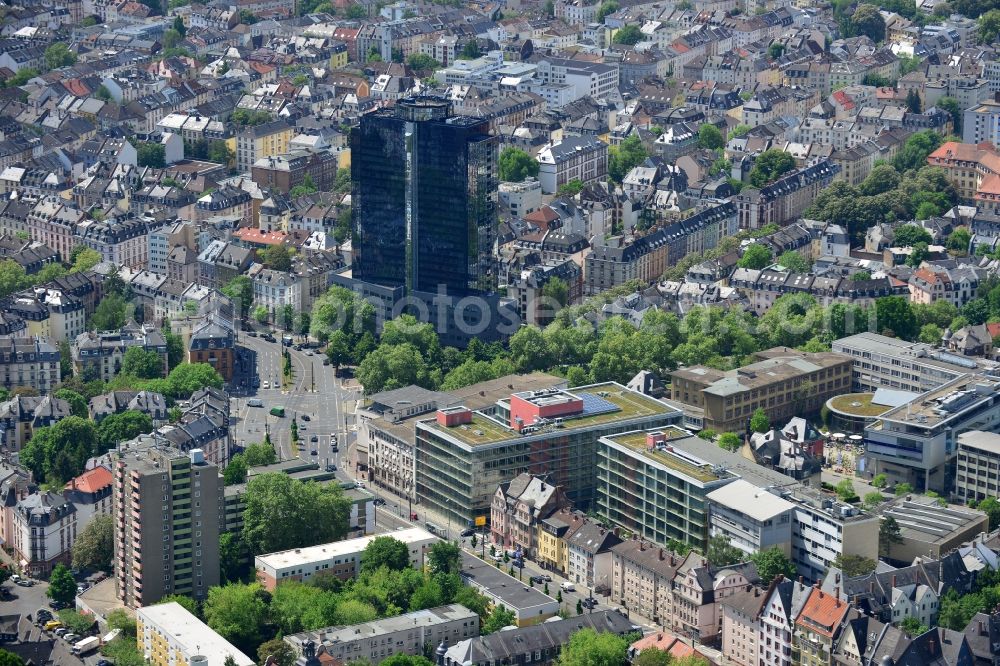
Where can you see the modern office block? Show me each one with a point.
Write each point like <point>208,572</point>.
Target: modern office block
<point>169,635</point>
<point>978,465</point>
<point>424,199</point>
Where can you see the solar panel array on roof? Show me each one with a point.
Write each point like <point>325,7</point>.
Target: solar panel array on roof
<point>595,404</point>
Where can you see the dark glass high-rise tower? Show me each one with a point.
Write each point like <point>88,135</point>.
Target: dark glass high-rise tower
<point>424,199</point>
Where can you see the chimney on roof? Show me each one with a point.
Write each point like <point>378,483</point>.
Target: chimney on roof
<point>801,580</point>
<point>894,580</point>
<point>982,628</point>
<point>932,647</point>
<point>661,553</point>
<point>820,591</point>
<point>871,587</point>
<point>836,578</point>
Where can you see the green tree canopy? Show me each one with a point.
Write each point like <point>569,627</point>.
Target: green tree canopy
<point>58,55</point>
<point>77,403</point>
<point>142,364</point>
<point>710,137</point>
<point>908,235</point>
<point>516,165</point>
<point>730,441</point>
<point>759,422</point>
<point>587,647</point>
<point>756,256</point>
<point>385,551</point>
<point>444,558</point>
<point>721,552</point>
<point>629,35</point>
<point>772,562</point>
<point>794,262</point>
<point>769,166</point>
<point>239,613</point>
<point>151,155</point>
<point>95,545</point>
<point>855,565</point>
<point>624,157</point>
<point>867,21</point>
<point>273,519</point>
<point>62,586</point>
<point>110,313</point>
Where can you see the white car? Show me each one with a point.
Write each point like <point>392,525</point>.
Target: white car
<point>266,385</point>
<point>567,586</point>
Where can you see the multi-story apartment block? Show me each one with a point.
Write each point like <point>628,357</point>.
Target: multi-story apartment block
<point>53,223</point>
<point>969,167</point>
<point>635,471</point>
<point>340,558</point>
<point>583,158</point>
<point>265,140</point>
<point>751,519</point>
<point>91,494</point>
<point>168,508</point>
<point>122,242</point>
<point>50,312</point>
<point>152,404</point>
<point>588,554</point>
<point>99,355</point>
<point>698,592</point>
<point>463,454</point>
<point>740,633</point>
<point>915,442</point>
<point>883,362</point>
<point>642,576</point>
<point>785,199</point>
<point>168,635</point>
<point>783,382</point>
<point>409,633</point>
<point>981,123</point>
<point>597,80</point>
<point>817,628</point>
<point>978,461</point>
<point>783,602</point>
<point>214,342</point>
<point>44,529</point>
<point>518,506</point>
<point>21,415</point>
<point>283,172</point>
<point>765,286</point>
<point>29,362</point>
<point>614,261</point>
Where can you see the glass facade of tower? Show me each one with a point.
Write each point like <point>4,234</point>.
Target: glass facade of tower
<point>424,199</point>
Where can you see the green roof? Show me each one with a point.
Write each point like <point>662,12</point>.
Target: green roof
<point>637,442</point>
<point>630,405</point>
<point>858,404</point>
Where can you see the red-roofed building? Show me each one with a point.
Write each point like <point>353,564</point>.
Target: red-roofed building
<point>542,218</point>
<point>968,167</point>
<point>91,493</point>
<point>665,641</point>
<point>818,625</point>
<point>256,238</point>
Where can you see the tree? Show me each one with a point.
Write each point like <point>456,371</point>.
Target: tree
<point>570,189</point>
<point>95,545</point>
<point>419,61</point>
<point>912,626</point>
<point>12,277</point>
<point>950,104</point>
<point>756,257</point>
<point>845,490</point>
<point>385,551</point>
<point>470,51</point>
<point>179,25</point>
<point>58,55</point>
<point>10,659</point>
<point>557,290</point>
<point>142,364</point>
<point>909,235</point>
<point>122,427</point>
<point>879,481</point>
<point>991,507</point>
<point>110,313</point>
<point>219,151</point>
<point>151,155</point>
<point>769,166</point>
<point>77,403</point>
<point>894,316</point>
<point>913,101</point>
<point>889,534</point>
<point>171,38</point>
<point>549,8</point>
<point>759,422</point>
<point>624,157</point>
<point>855,565</point>
<point>872,500</point>
<point>59,452</point>
<point>989,26</point>
<point>187,378</point>
<point>238,613</point>
<point>85,259</point>
<point>444,557</point>
<point>499,618</point>
<point>587,647</point>
<point>653,657</point>
<point>281,651</point>
<point>607,7</point>
<point>722,553</point>
<point>772,562</point>
<point>730,441</point>
<point>710,137</point>
<point>630,35</point>
<point>240,290</point>
<point>959,240</point>
<point>236,471</point>
<point>902,489</point>
<point>739,131</point>
<point>62,586</point>
<point>273,519</point>
<point>278,257</point>
<point>916,149</point>
<point>794,262</point>
<point>355,12</point>
<point>394,366</point>
<point>516,165</point>
<point>867,21</point>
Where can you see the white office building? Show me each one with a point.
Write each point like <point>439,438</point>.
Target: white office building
<point>978,462</point>
<point>752,518</point>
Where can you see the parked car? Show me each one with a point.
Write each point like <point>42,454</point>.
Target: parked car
<point>252,334</point>
<point>61,630</point>
<point>497,557</point>
<point>326,361</point>
<point>70,637</point>
<point>589,603</point>
<point>331,468</point>
<point>314,452</point>
<point>567,586</point>
<point>314,438</point>
<point>306,417</point>
<point>52,625</point>
<point>469,532</point>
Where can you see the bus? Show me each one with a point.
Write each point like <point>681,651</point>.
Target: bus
<point>278,411</point>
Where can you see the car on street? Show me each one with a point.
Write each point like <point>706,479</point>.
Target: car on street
<point>589,603</point>
<point>314,452</point>
<point>326,361</point>
<point>306,417</point>
<point>567,586</point>
<point>497,557</point>
<point>469,532</point>
<point>70,637</point>
<point>331,468</point>
<point>314,438</point>
<point>252,334</point>
<point>379,501</point>
<point>266,385</point>
<point>536,579</point>
<point>61,630</point>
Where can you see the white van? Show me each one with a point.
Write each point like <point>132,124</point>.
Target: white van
<point>255,402</point>
<point>567,587</point>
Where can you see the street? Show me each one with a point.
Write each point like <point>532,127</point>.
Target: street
<point>313,393</point>
<point>26,601</point>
